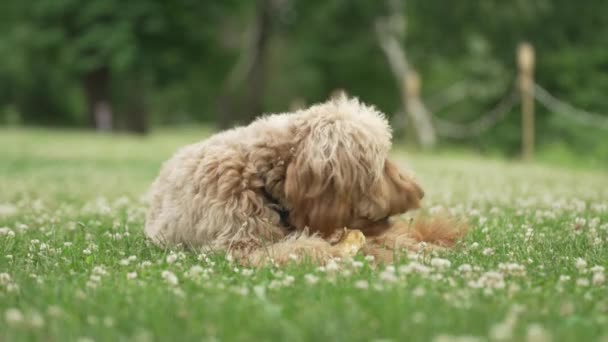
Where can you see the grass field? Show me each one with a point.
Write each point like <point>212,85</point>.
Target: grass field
<point>74,264</point>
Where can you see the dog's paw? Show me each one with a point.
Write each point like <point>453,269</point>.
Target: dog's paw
<point>351,243</point>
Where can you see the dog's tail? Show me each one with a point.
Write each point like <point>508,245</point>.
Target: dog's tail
<point>441,230</point>
<point>427,233</point>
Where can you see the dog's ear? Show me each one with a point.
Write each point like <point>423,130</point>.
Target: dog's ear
<point>317,194</point>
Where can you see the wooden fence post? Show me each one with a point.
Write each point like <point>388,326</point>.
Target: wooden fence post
<point>525,61</point>
<point>412,86</point>
<point>419,118</point>
<point>411,92</point>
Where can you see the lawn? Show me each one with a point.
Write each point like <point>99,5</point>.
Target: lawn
<point>74,264</point>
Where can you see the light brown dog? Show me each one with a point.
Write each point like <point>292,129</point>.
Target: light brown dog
<point>285,186</point>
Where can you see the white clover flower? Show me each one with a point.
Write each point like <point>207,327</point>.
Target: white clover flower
<point>488,251</point>
<point>311,279</point>
<point>581,264</point>
<point>7,209</point>
<point>489,280</point>
<point>13,316</point>
<point>5,231</point>
<point>86,251</point>
<point>332,265</point>
<point>241,290</point>
<point>378,287</point>
<point>440,264</point>
<point>598,279</point>
<point>145,263</point>
<point>170,277</point>
<point>54,311</point>
<point>36,320</point>
<point>259,291</point>
<point>196,271</point>
<point>512,269</point>
<point>131,275</point>
<point>419,291</point>
<point>171,258</point>
<point>465,268</point>
<point>274,284</point>
<point>108,321</point>
<point>362,284</point>
<point>502,331</point>
<point>229,258</point>
<point>450,338</point>
<point>415,267</point>
<point>388,275</point>
<point>5,278</point>
<point>582,282</point>
<point>357,264</point>
<point>100,270</point>
<point>288,280</point>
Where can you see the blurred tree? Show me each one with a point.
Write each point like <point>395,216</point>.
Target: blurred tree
<point>249,70</point>
<point>174,62</point>
<point>112,45</point>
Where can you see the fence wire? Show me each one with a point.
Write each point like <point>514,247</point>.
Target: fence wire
<point>447,97</point>
<point>460,130</point>
<point>457,130</point>
<point>568,111</point>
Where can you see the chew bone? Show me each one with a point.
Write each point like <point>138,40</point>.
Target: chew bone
<point>351,243</point>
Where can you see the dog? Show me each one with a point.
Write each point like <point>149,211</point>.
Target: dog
<point>286,186</point>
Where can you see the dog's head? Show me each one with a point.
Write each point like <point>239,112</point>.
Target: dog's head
<point>395,193</point>
<point>339,175</point>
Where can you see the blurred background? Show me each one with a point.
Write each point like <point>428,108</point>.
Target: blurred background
<point>506,78</point>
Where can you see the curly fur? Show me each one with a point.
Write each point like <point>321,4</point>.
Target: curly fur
<point>282,185</point>
<point>434,233</point>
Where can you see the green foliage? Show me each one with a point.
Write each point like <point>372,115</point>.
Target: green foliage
<point>178,56</point>
<point>147,45</point>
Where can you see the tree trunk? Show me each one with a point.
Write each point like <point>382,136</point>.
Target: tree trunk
<point>137,109</point>
<point>390,32</point>
<point>96,86</point>
<point>137,115</point>
<point>249,71</point>
<point>256,78</point>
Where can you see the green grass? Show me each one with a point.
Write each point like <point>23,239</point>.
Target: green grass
<point>72,201</point>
